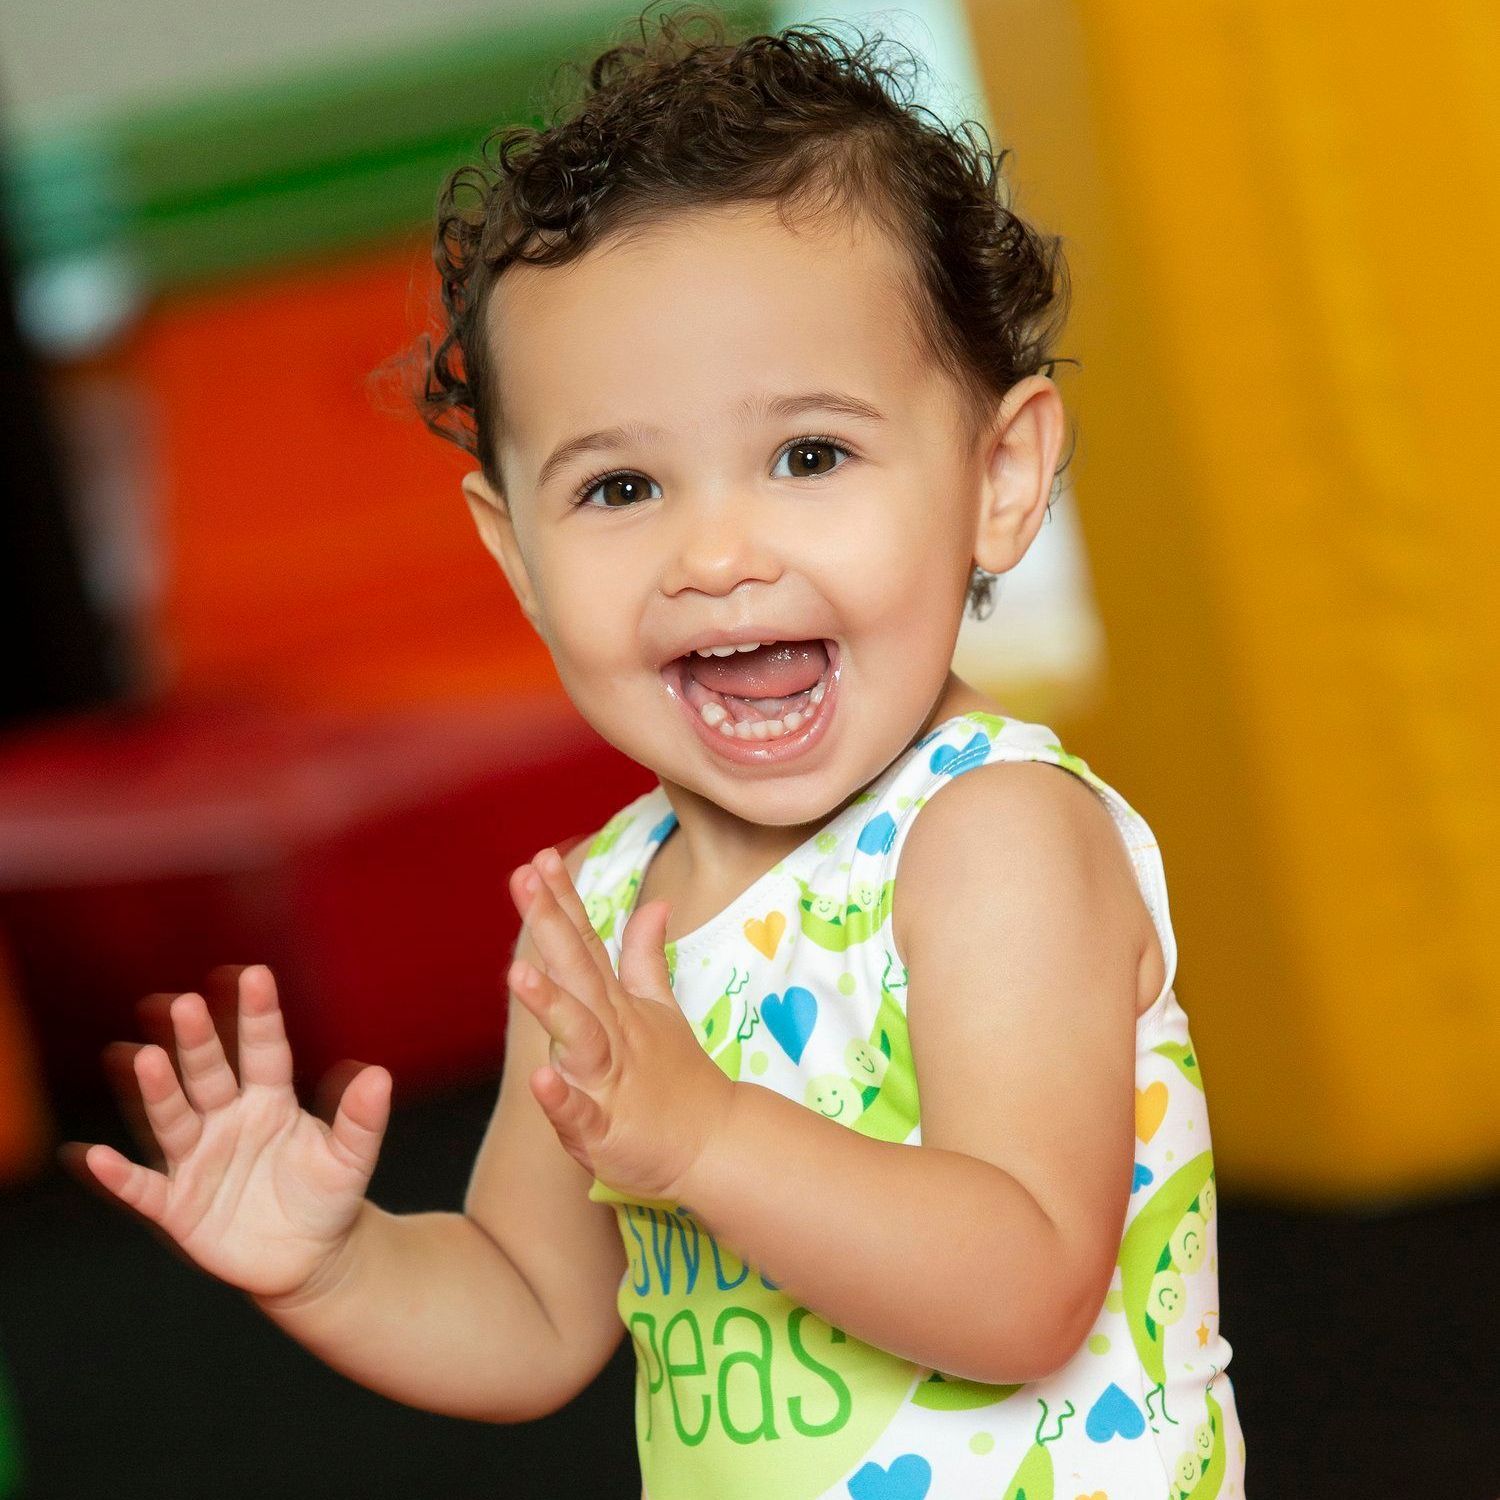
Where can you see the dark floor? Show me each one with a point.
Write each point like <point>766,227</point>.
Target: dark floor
<point>1367,1359</point>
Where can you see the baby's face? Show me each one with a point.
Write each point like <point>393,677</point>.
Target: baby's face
<point>712,522</point>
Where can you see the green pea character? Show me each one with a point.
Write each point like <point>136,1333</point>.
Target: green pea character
<point>1208,1200</point>
<point>869,906</point>
<point>892,1114</point>
<point>834,1098</point>
<point>609,835</point>
<point>1186,1474</point>
<point>1209,1445</point>
<point>1189,1242</point>
<point>1145,1253</point>
<point>625,892</point>
<point>1167,1300</point>
<point>601,913</point>
<point>867,1066</point>
<point>822,918</point>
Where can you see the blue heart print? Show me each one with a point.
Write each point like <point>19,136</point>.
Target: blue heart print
<point>945,760</point>
<point>908,1478</point>
<point>877,836</point>
<point>1114,1414</point>
<point>1144,1177</point>
<point>790,1018</point>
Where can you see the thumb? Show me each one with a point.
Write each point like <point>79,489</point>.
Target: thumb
<point>360,1121</point>
<point>643,958</point>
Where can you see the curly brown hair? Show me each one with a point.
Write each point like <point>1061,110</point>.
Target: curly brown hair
<point>685,118</point>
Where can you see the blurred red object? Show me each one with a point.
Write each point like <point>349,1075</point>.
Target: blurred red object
<point>363,857</point>
<point>25,1131</point>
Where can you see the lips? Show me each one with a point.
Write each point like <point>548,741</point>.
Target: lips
<point>752,751</point>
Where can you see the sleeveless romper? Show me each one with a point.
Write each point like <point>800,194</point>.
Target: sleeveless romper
<point>742,1394</point>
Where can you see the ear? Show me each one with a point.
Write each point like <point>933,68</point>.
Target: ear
<point>492,517</point>
<point>1020,453</point>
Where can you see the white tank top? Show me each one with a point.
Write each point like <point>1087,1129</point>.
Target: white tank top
<point>743,1394</point>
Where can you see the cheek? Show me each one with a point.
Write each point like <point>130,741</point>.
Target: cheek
<point>589,604</point>
<point>877,565</point>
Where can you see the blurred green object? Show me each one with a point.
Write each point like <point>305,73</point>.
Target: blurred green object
<point>10,1447</point>
<point>343,154</point>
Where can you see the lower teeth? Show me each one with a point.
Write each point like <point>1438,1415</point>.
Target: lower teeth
<point>716,716</point>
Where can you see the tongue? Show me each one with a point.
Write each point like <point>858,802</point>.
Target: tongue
<point>779,670</point>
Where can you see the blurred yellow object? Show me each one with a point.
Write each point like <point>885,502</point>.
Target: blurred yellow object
<point>1282,222</point>
<point>24,1129</point>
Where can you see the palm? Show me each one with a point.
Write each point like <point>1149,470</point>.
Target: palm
<point>256,1191</point>
<point>261,1199</point>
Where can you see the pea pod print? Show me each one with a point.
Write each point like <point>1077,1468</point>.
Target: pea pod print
<point>1184,1058</point>
<point>1035,1479</point>
<point>1199,1472</point>
<point>992,724</point>
<point>742,1393</point>
<point>892,1115</point>
<point>601,909</point>
<point>949,1393</point>
<point>728,1025</point>
<point>1145,1258</point>
<point>837,925</point>
<point>609,835</point>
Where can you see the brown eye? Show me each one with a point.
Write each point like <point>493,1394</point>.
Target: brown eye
<point>805,457</point>
<point>621,490</point>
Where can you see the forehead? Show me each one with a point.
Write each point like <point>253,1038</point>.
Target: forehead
<point>676,321</point>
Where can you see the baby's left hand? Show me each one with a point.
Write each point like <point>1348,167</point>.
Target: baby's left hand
<point>629,1090</point>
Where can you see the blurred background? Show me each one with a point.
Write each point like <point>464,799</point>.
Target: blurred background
<point>265,698</point>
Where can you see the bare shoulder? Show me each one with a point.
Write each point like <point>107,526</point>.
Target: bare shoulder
<point>1031,831</point>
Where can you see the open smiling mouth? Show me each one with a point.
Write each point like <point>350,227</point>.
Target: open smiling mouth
<point>756,703</point>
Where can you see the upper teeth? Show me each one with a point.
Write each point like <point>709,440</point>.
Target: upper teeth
<point>729,650</point>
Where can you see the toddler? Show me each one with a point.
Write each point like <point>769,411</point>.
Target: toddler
<point>844,1070</point>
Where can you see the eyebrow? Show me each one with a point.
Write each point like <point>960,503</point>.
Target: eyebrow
<point>750,408</point>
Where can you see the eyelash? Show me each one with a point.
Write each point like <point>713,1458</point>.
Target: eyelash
<point>808,440</point>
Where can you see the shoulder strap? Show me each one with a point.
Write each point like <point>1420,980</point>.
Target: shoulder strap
<point>977,739</point>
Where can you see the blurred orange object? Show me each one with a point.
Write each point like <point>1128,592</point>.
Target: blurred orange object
<point>314,546</point>
<point>25,1131</point>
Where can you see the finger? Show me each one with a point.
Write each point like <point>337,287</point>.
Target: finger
<point>73,1157</point>
<point>643,953</point>
<point>575,1117</point>
<point>331,1086</point>
<point>206,1075</point>
<point>119,1069</point>
<point>175,1124</point>
<point>154,1014</point>
<point>564,950</point>
<point>222,991</point>
<point>549,864</point>
<point>136,1186</point>
<point>359,1125</point>
<point>583,1043</point>
<point>265,1057</point>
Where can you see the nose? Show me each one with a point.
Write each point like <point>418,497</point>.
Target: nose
<point>717,542</point>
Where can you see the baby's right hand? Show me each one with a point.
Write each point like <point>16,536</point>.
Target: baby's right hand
<point>256,1191</point>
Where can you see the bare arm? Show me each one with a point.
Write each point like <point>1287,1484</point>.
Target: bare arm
<point>985,1252</point>
<point>503,1312</point>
